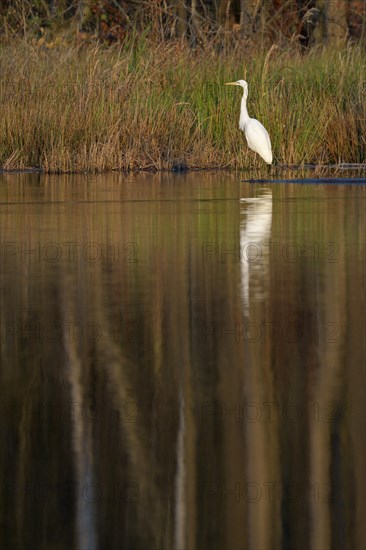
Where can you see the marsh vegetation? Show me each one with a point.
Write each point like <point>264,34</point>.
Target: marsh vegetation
<point>74,101</point>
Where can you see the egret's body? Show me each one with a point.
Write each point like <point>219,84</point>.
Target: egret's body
<point>256,134</point>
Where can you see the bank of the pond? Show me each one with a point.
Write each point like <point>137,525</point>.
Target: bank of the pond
<point>318,173</point>
<point>139,106</point>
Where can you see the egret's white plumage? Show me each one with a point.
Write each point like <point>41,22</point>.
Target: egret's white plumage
<point>256,134</point>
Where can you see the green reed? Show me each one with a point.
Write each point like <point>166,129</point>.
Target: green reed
<point>71,107</point>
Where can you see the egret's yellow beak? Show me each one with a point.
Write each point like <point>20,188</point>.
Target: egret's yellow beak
<point>231,84</point>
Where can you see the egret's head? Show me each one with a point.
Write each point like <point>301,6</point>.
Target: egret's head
<point>241,83</point>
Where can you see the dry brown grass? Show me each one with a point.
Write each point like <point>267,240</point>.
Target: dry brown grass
<point>142,106</point>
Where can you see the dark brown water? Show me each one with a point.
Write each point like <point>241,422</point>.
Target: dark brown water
<point>182,363</point>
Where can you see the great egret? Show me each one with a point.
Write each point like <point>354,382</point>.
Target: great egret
<point>256,134</point>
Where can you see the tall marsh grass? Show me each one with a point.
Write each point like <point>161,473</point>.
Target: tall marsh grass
<point>143,106</point>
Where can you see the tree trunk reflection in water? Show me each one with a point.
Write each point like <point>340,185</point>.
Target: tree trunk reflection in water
<point>189,372</point>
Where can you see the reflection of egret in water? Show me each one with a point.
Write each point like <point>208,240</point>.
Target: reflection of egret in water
<point>261,453</point>
<point>255,231</point>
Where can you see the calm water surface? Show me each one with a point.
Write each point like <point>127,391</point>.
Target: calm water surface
<point>182,363</point>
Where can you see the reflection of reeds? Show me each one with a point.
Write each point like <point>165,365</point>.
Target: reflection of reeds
<point>139,106</point>
<point>170,371</point>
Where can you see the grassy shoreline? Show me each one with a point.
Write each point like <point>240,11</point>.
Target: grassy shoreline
<point>140,106</point>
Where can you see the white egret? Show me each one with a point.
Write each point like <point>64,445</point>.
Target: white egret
<point>256,134</point>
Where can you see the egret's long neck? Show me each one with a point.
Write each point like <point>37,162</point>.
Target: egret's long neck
<point>244,117</point>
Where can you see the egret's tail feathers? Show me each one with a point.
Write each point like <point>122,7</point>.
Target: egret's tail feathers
<point>267,157</point>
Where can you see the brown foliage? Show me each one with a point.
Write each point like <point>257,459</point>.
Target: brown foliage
<point>198,21</point>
